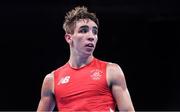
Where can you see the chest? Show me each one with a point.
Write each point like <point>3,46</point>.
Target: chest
<point>84,83</point>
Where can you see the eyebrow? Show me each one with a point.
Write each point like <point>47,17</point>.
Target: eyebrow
<point>86,26</point>
<point>95,27</point>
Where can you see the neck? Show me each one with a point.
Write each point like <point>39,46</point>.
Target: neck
<point>78,61</point>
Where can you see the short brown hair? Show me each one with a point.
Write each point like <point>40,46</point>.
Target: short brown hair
<point>74,15</point>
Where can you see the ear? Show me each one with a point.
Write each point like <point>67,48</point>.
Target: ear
<point>68,38</point>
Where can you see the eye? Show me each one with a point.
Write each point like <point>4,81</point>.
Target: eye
<point>95,31</point>
<point>83,30</point>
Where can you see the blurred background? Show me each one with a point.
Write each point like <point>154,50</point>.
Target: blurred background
<point>141,36</point>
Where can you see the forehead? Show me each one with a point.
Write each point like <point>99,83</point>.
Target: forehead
<point>87,22</point>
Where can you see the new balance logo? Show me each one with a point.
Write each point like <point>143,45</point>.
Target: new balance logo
<point>64,80</point>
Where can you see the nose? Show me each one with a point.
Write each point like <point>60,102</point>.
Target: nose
<point>90,38</point>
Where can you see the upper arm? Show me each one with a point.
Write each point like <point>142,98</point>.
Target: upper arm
<point>47,102</point>
<point>116,79</point>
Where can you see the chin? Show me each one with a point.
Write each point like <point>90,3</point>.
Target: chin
<point>88,53</point>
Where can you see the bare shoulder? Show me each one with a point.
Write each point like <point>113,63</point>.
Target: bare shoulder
<point>48,82</point>
<point>47,101</point>
<point>49,77</point>
<point>114,73</point>
<point>119,88</point>
<point>114,70</point>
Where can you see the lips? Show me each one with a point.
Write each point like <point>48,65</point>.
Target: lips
<point>90,45</point>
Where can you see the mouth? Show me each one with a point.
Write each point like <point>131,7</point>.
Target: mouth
<point>90,45</point>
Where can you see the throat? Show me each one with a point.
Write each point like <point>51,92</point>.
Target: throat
<point>80,63</point>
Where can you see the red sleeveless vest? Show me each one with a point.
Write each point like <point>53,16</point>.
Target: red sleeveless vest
<point>83,89</point>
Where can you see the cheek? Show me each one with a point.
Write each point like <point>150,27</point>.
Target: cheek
<point>80,39</point>
<point>78,42</point>
<point>96,39</point>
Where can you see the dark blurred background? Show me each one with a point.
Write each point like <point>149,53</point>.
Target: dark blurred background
<point>142,36</point>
